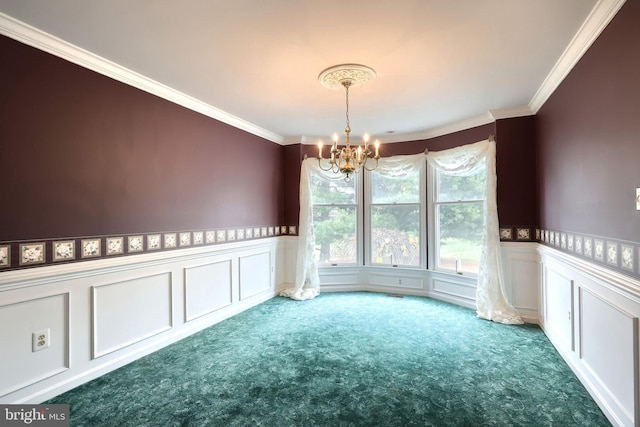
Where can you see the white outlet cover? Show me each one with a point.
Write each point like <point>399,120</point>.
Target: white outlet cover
<point>41,339</point>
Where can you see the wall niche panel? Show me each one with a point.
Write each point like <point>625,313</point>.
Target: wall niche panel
<point>130,311</point>
<point>255,274</point>
<point>207,288</point>
<point>20,366</point>
<point>608,343</point>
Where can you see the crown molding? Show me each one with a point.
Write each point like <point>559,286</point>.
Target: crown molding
<point>46,42</point>
<point>416,136</point>
<point>445,129</point>
<point>508,113</point>
<point>299,139</point>
<point>600,16</point>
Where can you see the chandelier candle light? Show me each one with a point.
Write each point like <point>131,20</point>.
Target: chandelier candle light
<point>348,160</point>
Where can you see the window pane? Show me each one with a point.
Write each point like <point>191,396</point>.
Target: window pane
<point>385,189</point>
<point>395,235</point>
<point>454,188</point>
<point>328,192</point>
<point>460,236</point>
<point>335,229</point>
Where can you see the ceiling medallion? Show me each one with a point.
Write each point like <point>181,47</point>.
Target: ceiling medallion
<point>347,160</point>
<point>358,75</point>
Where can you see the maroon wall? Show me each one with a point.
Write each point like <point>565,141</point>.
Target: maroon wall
<point>588,137</point>
<point>516,170</point>
<point>84,155</point>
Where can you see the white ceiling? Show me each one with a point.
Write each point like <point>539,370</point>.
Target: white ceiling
<point>440,64</point>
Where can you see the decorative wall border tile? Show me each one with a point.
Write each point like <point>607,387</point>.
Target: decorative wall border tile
<point>627,257</point>
<point>20,254</point>
<point>115,245</point>
<point>90,248</point>
<point>170,240</point>
<point>64,250</point>
<point>198,237</point>
<point>598,249</point>
<point>185,239</point>
<point>613,253</point>
<point>5,256</point>
<point>32,253</point>
<point>588,247</point>
<point>154,242</point>
<point>523,233</point>
<point>136,243</point>
<point>578,245</point>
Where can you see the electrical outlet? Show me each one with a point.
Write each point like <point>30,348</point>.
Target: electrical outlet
<point>41,339</point>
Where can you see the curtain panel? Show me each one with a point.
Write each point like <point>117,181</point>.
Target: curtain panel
<point>491,302</point>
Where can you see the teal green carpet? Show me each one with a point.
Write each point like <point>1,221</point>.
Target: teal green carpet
<point>347,359</point>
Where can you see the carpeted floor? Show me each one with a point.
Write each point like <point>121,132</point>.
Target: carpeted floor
<point>344,359</point>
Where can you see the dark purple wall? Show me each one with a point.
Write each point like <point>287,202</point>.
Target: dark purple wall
<point>588,138</point>
<point>82,155</point>
<point>516,170</point>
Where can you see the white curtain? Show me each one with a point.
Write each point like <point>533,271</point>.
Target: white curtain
<point>307,284</point>
<point>491,302</point>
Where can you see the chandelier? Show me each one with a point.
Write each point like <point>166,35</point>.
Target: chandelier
<point>348,159</point>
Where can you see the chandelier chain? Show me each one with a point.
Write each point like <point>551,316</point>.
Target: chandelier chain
<point>346,85</point>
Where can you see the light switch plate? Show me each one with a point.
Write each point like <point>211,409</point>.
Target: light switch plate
<point>638,199</point>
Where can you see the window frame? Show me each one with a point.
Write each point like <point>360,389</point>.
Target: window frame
<point>359,220</point>
<point>433,225</point>
<point>422,204</point>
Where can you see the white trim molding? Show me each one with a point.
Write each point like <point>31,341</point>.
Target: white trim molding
<point>600,16</point>
<point>46,42</point>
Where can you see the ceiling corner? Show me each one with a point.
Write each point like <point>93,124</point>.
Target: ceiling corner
<point>600,16</point>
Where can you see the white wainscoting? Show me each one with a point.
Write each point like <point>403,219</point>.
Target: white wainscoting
<point>591,316</point>
<point>105,313</point>
<point>521,272</point>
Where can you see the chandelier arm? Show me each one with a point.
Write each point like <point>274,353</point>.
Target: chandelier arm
<point>373,168</point>
<point>330,168</point>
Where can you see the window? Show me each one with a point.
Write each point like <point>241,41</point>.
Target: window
<point>335,219</point>
<point>395,222</point>
<point>387,226</point>
<point>459,211</point>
